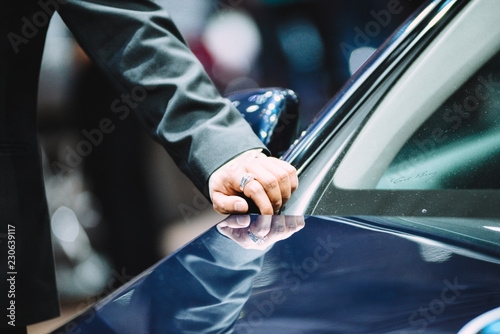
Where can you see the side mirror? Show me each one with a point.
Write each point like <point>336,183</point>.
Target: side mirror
<point>273,114</point>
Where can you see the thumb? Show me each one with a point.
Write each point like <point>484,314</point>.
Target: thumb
<point>225,204</point>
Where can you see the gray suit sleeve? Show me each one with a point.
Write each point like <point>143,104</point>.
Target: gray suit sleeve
<point>141,50</point>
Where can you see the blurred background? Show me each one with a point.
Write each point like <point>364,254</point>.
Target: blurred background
<point>123,205</point>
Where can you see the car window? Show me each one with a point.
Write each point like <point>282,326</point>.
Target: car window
<point>458,147</point>
<point>431,145</point>
<point>423,110</point>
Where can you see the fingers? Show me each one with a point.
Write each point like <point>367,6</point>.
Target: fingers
<point>295,223</point>
<point>235,221</point>
<point>291,172</point>
<point>228,204</point>
<point>274,183</point>
<point>262,226</point>
<point>274,179</point>
<point>239,235</point>
<point>262,232</point>
<point>262,198</point>
<point>270,182</point>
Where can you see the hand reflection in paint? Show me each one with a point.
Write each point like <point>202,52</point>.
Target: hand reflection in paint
<point>258,231</point>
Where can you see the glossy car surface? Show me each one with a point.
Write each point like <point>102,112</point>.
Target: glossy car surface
<point>404,164</point>
<point>322,275</point>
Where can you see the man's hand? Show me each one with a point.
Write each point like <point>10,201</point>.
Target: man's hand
<point>274,182</point>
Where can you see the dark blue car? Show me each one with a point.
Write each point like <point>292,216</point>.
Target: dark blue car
<point>395,227</point>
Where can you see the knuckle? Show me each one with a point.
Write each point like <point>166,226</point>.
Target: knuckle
<point>277,203</point>
<point>217,207</point>
<point>261,231</point>
<point>285,165</point>
<point>279,229</point>
<point>270,183</point>
<point>253,187</point>
<point>283,176</point>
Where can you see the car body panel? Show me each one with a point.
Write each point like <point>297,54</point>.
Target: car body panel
<point>336,275</point>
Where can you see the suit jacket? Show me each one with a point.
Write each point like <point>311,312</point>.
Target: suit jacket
<point>136,44</point>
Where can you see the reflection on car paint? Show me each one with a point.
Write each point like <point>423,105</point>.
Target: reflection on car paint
<point>345,276</point>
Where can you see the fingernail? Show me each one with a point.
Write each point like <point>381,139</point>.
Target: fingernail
<point>240,221</point>
<point>236,207</point>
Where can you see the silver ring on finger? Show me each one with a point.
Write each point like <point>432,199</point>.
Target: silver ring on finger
<point>255,239</point>
<point>247,177</point>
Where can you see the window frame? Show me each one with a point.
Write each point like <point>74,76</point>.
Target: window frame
<point>321,197</point>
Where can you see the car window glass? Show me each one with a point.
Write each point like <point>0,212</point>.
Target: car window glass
<point>461,54</point>
<point>458,147</point>
<point>443,111</point>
